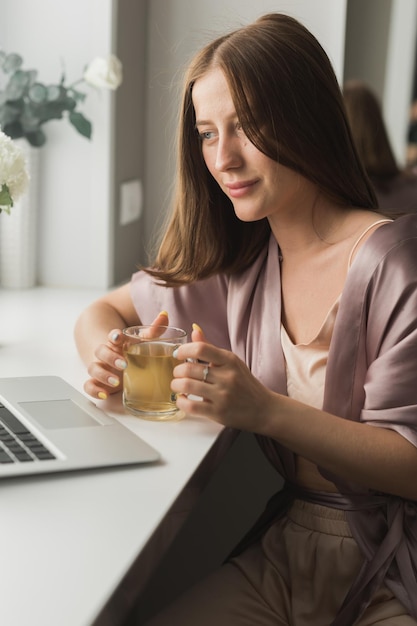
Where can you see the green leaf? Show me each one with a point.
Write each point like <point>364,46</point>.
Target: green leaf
<point>10,114</point>
<point>22,78</point>
<point>36,139</point>
<point>81,124</point>
<point>16,87</point>
<point>37,93</point>
<point>13,130</point>
<point>19,84</point>
<point>69,103</point>
<point>79,96</point>
<point>32,76</point>
<point>6,199</point>
<point>49,111</point>
<point>55,92</point>
<point>12,62</point>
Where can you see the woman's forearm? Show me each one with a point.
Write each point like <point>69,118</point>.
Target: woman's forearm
<point>113,310</point>
<point>378,458</point>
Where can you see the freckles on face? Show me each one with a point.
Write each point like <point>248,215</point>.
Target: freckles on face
<point>226,149</point>
<point>217,123</point>
<point>257,186</point>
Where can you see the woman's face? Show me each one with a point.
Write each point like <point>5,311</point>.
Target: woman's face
<point>257,186</point>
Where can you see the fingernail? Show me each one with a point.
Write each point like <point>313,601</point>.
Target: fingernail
<point>102,395</point>
<point>120,364</point>
<point>113,381</point>
<point>115,336</point>
<point>175,353</point>
<point>163,313</point>
<point>197,327</point>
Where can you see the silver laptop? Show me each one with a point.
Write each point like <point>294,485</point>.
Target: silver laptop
<point>48,426</point>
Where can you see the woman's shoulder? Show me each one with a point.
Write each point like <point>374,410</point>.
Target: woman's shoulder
<point>396,239</point>
<point>401,229</point>
<point>384,272</point>
<point>142,278</point>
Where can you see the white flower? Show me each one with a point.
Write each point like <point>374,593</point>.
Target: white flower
<point>14,177</point>
<point>104,72</point>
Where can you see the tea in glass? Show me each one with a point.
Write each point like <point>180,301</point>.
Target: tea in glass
<point>149,372</point>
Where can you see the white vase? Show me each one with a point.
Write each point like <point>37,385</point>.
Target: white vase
<point>19,230</point>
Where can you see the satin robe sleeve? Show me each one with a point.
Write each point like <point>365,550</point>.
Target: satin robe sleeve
<point>372,366</point>
<point>203,302</point>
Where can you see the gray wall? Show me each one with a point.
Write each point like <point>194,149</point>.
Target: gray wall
<point>367,28</point>
<point>129,131</point>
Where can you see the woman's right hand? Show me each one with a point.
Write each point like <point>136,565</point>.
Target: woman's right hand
<point>106,371</point>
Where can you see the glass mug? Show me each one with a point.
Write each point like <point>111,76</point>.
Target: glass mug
<point>147,378</point>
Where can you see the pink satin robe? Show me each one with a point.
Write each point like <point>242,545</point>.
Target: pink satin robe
<point>371,377</point>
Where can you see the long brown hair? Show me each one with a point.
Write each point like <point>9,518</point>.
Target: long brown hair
<point>290,106</point>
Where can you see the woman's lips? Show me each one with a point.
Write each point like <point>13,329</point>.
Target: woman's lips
<point>239,189</point>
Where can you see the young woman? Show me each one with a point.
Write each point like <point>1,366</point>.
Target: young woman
<point>307,300</point>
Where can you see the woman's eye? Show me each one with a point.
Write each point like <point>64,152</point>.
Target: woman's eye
<point>206,135</point>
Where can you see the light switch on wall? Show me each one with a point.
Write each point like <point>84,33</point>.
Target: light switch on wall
<point>131,199</point>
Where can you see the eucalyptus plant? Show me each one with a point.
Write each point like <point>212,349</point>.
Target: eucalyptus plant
<point>26,104</point>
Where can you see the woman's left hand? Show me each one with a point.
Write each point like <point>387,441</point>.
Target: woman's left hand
<point>230,394</point>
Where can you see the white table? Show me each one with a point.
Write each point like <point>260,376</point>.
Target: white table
<point>68,541</point>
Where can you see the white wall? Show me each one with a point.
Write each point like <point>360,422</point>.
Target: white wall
<point>177,29</point>
<point>75,173</point>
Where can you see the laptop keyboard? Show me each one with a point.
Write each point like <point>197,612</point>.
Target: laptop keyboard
<point>17,443</point>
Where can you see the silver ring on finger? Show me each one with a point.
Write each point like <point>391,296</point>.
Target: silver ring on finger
<point>206,373</point>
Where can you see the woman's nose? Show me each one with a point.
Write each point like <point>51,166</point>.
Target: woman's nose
<point>228,154</point>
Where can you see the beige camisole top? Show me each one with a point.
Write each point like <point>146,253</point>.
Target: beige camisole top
<point>306,365</point>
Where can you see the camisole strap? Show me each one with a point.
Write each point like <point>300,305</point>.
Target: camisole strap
<point>359,239</point>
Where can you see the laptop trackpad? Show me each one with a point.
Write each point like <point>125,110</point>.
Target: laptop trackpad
<point>58,414</point>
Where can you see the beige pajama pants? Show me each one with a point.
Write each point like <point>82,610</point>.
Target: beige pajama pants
<point>297,575</point>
